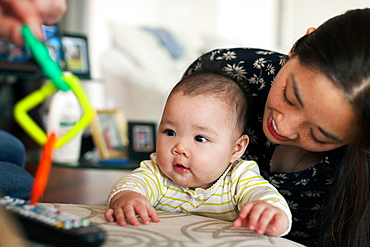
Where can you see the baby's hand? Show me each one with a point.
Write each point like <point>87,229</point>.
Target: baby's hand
<point>263,218</point>
<point>126,205</point>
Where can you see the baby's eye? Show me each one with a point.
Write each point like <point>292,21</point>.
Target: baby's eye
<point>200,139</point>
<point>169,132</point>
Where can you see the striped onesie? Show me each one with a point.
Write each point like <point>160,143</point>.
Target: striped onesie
<point>240,183</point>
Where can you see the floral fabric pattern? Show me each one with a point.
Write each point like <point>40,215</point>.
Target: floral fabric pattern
<point>305,191</point>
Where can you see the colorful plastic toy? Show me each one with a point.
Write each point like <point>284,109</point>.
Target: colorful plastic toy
<point>59,80</point>
<point>37,97</point>
<point>42,174</point>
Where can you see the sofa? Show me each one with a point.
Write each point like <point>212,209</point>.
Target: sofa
<point>144,62</point>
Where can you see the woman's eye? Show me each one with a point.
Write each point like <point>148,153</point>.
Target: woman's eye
<point>200,139</point>
<point>285,97</point>
<point>313,138</point>
<point>169,132</point>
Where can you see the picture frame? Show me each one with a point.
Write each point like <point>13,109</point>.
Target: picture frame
<point>76,54</point>
<point>109,133</point>
<point>18,59</point>
<point>142,140</point>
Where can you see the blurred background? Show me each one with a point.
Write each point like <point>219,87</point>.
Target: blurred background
<point>139,49</point>
<point>130,53</point>
<point>270,24</point>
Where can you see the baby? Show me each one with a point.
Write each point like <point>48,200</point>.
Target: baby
<point>197,167</point>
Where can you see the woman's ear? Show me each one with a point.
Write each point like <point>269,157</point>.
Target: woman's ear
<point>309,30</point>
<point>240,147</point>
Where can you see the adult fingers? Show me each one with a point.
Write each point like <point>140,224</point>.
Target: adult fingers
<point>24,12</point>
<point>51,10</point>
<point>10,29</point>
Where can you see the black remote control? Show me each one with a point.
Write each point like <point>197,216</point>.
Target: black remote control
<point>50,225</point>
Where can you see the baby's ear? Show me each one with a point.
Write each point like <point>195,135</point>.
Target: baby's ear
<point>240,147</point>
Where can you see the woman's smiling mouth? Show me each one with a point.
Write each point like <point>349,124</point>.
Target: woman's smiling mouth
<point>271,125</point>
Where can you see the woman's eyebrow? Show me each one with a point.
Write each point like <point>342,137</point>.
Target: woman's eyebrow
<point>296,91</point>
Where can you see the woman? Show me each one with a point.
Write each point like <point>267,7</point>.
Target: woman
<point>309,129</point>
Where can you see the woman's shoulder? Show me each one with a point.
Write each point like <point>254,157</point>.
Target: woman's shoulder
<point>244,52</point>
<point>238,60</point>
<point>253,69</point>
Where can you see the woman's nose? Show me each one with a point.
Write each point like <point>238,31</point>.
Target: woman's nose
<point>290,124</point>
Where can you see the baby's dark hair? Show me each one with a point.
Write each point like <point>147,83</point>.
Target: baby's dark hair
<point>215,85</point>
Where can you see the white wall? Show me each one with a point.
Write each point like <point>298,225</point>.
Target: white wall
<point>253,22</point>
<point>270,24</point>
<point>298,15</point>
<point>247,22</point>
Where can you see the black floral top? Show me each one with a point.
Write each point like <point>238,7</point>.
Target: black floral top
<point>305,191</point>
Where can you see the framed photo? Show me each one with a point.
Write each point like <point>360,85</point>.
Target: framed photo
<point>19,60</point>
<point>54,44</point>
<point>109,132</point>
<point>142,140</point>
<point>76,55</point>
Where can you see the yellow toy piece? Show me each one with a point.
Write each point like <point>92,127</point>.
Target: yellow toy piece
<point>37,97</point>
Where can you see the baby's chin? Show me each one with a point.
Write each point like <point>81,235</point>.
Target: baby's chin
<point>193,186</point>
<point>186,180</point>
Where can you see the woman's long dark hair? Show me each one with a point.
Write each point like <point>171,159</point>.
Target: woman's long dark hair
<point>340,48</point>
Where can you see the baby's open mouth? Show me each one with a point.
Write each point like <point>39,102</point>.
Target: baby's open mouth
<point>180,168</point>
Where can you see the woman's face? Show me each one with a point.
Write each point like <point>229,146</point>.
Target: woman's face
<point>305,109</point>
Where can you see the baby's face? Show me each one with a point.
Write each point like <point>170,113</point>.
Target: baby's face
<point>196,139</point>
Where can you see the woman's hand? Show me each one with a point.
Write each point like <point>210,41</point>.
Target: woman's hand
<point>126,205</point>
<point>263,218</point>
<point>34,13</point>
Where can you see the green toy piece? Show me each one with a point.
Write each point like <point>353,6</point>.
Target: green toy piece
<point>41,55</point>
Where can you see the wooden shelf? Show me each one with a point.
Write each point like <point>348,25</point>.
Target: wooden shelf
<point>80,186</point>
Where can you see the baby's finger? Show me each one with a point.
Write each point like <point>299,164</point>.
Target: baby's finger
<point>265,219</point>
<point>244,211</point>
<point>275,224</point>
<point>130,215</point>
<point>120,217</point>
<point>254,215</point>
<point>153,214</point>
<point>142,211</point>
<point>108,214</point>
<point>239,223</point>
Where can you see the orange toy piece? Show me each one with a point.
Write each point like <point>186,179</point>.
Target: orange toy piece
<point>42,175</point>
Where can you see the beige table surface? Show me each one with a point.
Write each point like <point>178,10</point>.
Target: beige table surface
<point>173,230</point>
